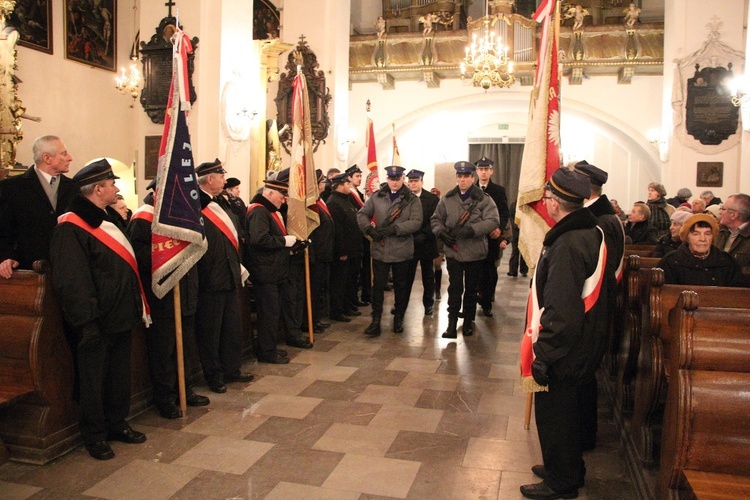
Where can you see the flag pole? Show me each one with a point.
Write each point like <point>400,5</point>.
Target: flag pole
<point>310,325</point>
<point>179,349</point>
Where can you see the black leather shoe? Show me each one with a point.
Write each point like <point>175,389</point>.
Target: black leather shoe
<point>341,318</point>
<point>468,328</point>
<point>275,358</point>
<point>217,387</point>
<point>127,435</point>
<point>428,311</point>
<point>362,303</point>
<point>373,330</point>
<point>437,294</point>
<point>353,312</point>
<point>300,343</point>
<point>324,325</point>
<point>524,274</point>
<point>487,312</point>
<point>238,377</point>
<point>398,324</point>
<point>193,399</point>
<point>100,450</point>
<point>513,275</point>
<point>169,412</point>
<point>393,310</point>
<point>540,472</point>
<point>543,492</point>
<point>282,352</point>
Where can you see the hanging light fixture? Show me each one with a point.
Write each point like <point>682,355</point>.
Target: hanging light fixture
<point>487,58</point>
<point>130,83</point>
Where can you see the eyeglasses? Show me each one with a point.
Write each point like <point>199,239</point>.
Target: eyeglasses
<point>725,209</point>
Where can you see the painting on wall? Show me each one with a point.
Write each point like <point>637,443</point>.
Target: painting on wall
<point>710,174</point>
<point>33,20</point>
<point>91,32</point>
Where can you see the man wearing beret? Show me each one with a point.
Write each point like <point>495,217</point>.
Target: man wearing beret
<point>614,237</point>
<point>268,254</point>
<point>425,242</point>
<point>95,276</point>
<point>232,191</point>
<point>488,280</point>
<point>347,241</point>
<point>31,203</point>
<point>217,318</point>
<point>160,338</point>
<point>397,214</point>
<point>462,220</point>
<point>567,298</point>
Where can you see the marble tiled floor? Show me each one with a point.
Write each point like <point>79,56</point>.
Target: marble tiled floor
<point>407,415</point>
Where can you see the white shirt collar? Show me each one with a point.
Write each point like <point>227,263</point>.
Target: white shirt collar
<point>46,176</point>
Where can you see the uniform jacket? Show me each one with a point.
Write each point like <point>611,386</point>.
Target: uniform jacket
<point>571,340</point>
<point>27,218</point>
<point>641,233</point>
<point>139,234</point>
<point>740,249</point>
<point>425,241</point>
<point>322,238</point>
<point>497,193</point>
<point>266,256</point>
<point>398,247</point>
<point>483,220</point>
<point>219,268</point>
<point>681,267</point>
<point>92,282</point>
<point>614,237</point>
<point>347,238</point>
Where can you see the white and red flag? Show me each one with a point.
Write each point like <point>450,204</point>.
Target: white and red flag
<point>177,233</point>
<point>541,157</point>
<point>372,182</point>
<point>303,183</point>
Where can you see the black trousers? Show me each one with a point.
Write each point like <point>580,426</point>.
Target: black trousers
<point>275,304</point>
<point>463,285</point>
<point>366,275</point>
<point>218,331</point>
<point>353,272</point>
<point>319,272</point>
<point>401,285</point>
<point>558,423</point>
<point>162,359</point>
<point>104,378</point>
<point>488,280</point>
<point>339,287</point>
<point>428,280</point>
<point>516,258</point>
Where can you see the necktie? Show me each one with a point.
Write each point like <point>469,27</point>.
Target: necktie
<point>52,182</point>
<point>484,188</point>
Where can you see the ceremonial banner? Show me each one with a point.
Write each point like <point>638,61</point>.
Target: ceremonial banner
<point>372,182</point>
<point>303,183</point>
<point>541,157</point>
<point>177,232</point>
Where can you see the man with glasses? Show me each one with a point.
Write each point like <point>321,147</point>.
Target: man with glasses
<point>734,234</point>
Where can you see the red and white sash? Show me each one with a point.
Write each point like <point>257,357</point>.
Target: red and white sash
<point>323,206</point>
<point>275,215</point>
<point>111,237</point>
<point>590,294</point>
<point>221,220</point>
<point>144,212</point>
<point>355,194</point>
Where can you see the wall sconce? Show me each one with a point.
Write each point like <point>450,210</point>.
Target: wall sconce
<point>130,83</point>
<point>739,88</point>
<point>653,136</point>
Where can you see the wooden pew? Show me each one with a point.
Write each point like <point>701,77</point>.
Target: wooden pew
<point>637,285</point>
<point>707,413</point>
<point>663,310</point>
<point>38,417</point>
<point>640,250</point>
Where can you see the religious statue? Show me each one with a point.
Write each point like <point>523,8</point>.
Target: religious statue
<point>578,13</point>
<point>631,16</point>
<point>427,22</point>
<point>380,26</point>
<point>11,108</point>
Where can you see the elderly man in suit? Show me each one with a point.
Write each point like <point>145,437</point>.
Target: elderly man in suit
<point>31,203</point>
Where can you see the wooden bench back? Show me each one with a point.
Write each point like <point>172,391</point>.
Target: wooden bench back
<point>640,250</point>
<point>707,414</point>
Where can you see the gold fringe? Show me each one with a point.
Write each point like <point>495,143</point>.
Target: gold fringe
<point>529,385</point>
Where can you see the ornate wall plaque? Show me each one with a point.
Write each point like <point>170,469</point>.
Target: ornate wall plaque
<point>156,56</point>
<point>710,174</point>
<point>710,115</point>
<point>318,93</point>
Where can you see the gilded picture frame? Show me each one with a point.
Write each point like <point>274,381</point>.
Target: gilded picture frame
<point>33,20</point>
<point>91,33</point>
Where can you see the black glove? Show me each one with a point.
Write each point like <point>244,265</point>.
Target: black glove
<point>465,232</point>
<point>386,231</point>
<point>447,238</point>
<point>539,370</point>
<point>299,246</point>
<point>372,233</point>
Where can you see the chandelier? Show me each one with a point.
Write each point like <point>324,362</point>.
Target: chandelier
<point>487,59</point>
<point>130,83</point>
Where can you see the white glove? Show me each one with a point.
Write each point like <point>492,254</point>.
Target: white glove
<point>289,241</point>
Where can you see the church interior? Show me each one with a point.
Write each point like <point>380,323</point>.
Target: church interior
<point>410,416</point>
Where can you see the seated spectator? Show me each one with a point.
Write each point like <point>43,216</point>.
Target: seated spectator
<point>734,236</point>
<point>660,211</point>
<point>638,230</point>
<point>698,206</point>
<point>714,210</point>
<point>697,261</point>
<point>710,199</point>
<point>670,242</point>
<point>618,210</point>
<point>683,195</point>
